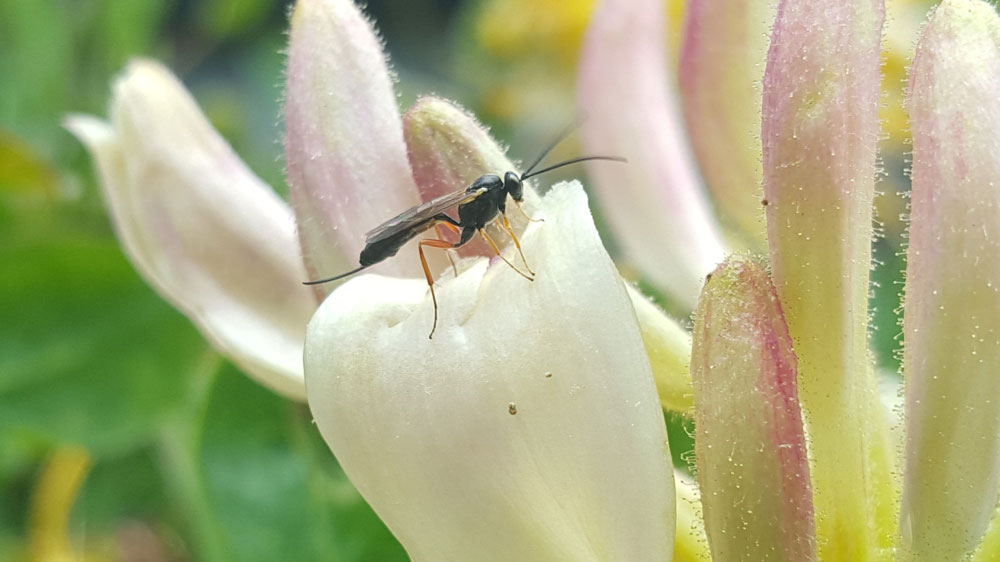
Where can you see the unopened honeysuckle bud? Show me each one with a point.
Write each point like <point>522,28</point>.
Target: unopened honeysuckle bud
<point>952,309</point>
<point>721,69</point>
<point>527,429</point>
<point>203,230</point>
<point>750,445</point>
<point>448,148</point>
<point>820,131</point>
<point>347,165</point>
<point>655,204</point>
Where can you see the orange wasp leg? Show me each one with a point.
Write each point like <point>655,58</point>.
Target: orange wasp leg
<point>444,245</point>
<point>440,234</point>
<point>505,225</point>
<point>520,208</point>
<point>505,260</point>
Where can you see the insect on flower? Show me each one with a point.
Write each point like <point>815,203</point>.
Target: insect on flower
<point>482,203</point>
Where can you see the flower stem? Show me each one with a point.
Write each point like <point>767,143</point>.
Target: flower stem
<point>179,447</point>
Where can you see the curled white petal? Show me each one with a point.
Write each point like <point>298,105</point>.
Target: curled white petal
<point>209,235</point>
<point>527,429</point>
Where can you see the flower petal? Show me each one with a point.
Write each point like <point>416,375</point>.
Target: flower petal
<point>655,203</point>
<point>989,548</point>
<point>820,131</point>
<point>690,543</point>
<point>448,147</point>
<point>347,165</point>
<point>725,45</point>
<point>201,228</point>
<point>669,348</point>
<point>952,307</point>
<point>750,446</point>
<point>527,429</point>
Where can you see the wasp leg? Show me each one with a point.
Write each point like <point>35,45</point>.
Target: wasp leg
<point>440,234</point>
<point>505,260</point>
<point>505,225</point>
<point>520,208</point>
<point>444,245</point>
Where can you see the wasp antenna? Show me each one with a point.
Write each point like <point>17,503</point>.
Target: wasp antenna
<point>574,161</point>
<point>559,138</point>
<point>335,277</point>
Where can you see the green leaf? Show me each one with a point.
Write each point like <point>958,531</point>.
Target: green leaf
<point>273,486</point>
<point>118,490</point>
<point>224,18</point>
<point>89,354</point>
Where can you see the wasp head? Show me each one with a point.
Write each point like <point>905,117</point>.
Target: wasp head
<point>513,186</point>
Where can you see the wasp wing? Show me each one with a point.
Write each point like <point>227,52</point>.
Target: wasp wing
<point>418,216</point>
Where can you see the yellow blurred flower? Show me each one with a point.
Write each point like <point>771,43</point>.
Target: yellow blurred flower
<point>535,47</point>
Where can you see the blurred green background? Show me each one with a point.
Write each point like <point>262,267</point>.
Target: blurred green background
<point>123,436</point>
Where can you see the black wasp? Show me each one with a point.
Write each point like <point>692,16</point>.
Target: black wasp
<point>482,203</point>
